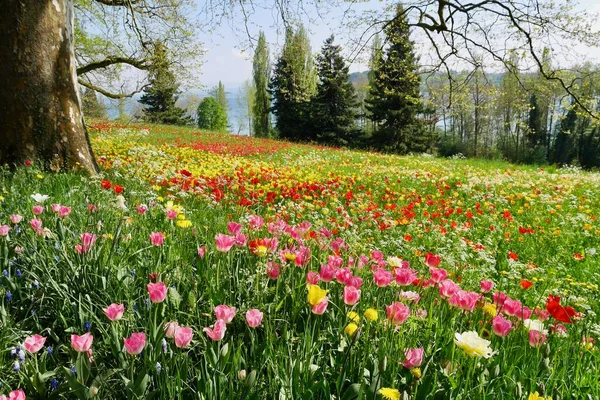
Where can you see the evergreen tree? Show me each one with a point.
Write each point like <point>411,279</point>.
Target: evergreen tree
<point>261,121</point>
<point>333,107</point>
<point>394,93</point>
<point>536,131</point>
<point>564,146</point>
<point>163,91</point>
<point>292,86</point>
<point>211,115</point>
<point>220,96</point>
<point>92,108</point>
<point>375,58</point>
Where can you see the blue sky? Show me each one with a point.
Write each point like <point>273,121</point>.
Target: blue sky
<point>228,58</point>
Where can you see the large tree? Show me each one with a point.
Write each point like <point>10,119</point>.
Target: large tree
<point>40,105</point>
<point>394,96</point>
<point>261,72</point>
<point>292,86</point>
<point>334,105</point>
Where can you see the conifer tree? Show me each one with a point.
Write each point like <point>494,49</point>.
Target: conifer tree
<point>220,96</point>
<point>92,108</point>
<point>334,105</point>
<point>292,87</point>
<point>394,100</point>
<point>163,91</point>
<point>261,121</point>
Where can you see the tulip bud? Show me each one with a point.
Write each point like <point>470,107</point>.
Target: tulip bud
<point>242,374</point>
<point>93,391</point>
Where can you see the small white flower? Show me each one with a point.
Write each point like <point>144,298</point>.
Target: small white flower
<point>39,198</point>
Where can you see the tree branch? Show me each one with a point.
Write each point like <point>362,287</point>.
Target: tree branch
<point>109,94</point>
<point>139,64</point>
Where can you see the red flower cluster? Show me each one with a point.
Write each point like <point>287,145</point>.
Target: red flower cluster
<point>560,313</point>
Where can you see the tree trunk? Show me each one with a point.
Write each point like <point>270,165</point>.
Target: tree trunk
<point>40,108</point>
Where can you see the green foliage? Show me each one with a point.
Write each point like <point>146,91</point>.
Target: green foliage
<point>219,94</point>
<point>261,68</point>
<point>92,108</point>
<point>333,107</point>
<point>163,91</point>
<point>394,97</point>
<point>211,115</point>
<point>292,86</point>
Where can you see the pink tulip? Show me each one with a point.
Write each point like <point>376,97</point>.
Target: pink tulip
<point>55,207</point>
<point>351,295</point>
<point>464,300</point>
<point>405,276</point>
<point>234,228</point>
<point>170,328</point>
<point>273,270</point>
<point>224,242</point>
<point>114,312</point>
<point>319,309</point>
<point>64,211</point>
<point>201,251</point>
<point>135,343</point>
<point>37,209</point>
<point>382,277</point>
<point>16,218</point>
<point>356,281</point>
<point>536,338</point>
<point>183,336</point>
<point>312,278</point>
<point>17,395</point>
<point>512,307</point>
<point>409,296</point>
<point>438,274</point>
<point>344,276</point>
<point>397,312</point>
<point>225,313</point>
<point>141,209</point>
<point>501,326</point>
<point>254,317</point>
<point>217,332</point>
<point>241,240</point>
<point>82,343</point>
<point>36,224</point>
<point>255,222</point>
<point>4,229</point>
<point>34,343</point>
<point>414,358</point>
<point>541,314</point>
<point>157,291</point>
<point>448,288</point>
<point>92,208</point>
<point>157,238</point>
<point>87,241</point>
<point>171,214</point>
<point>499,298</point>
<point>486,286</point>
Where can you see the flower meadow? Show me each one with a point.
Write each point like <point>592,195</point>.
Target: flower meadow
<point>203,266</point>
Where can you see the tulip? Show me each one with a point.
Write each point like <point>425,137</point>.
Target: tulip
<point>82,343</point>
<point>225,313</point>
<point>254,318</point>
<point>114,312</point>
<point>217,332</point>
<point>34,343</point>
<point>135,343</point>
<point>183,336</point>
<point>414,358</point>
<point>351,295</point>
<point>157,292</point>
<point>157,238</point>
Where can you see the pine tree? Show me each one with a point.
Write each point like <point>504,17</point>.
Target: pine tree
<point>564,146</point>
<point>536,131</point>
<point>163,91</point>
<point>220,96</point>
<point>333,107</point>
<point>395,93</point>
<point>92,108</point>
<point>261,121</point>
<point>211,115</point>
<point>375,58</point>
<point>292,86</point>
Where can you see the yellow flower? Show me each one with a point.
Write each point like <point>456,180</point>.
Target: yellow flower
<point>351,329</point>
<point>389,393</point>
<point>416,372</point>
<point>316,294</point>
<point>353,316</point>
<point>472,344</point>
<point>371,314</point>
<point>490,309</point>
<point>183,223</point>
<point>536,396</point>
<point>1,198</point>
<point>39,176</point>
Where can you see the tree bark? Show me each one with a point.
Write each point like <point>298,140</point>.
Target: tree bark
<point>40,107</point>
